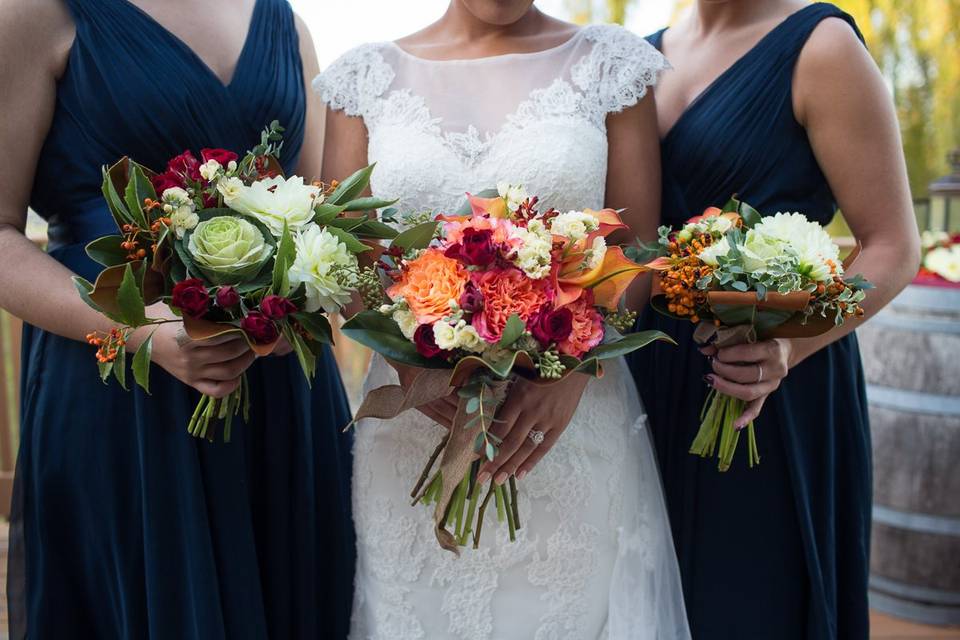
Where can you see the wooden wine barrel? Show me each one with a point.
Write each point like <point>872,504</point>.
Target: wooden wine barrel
<point>911,355</point>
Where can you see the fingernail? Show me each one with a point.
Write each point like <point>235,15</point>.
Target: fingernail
<point>708,380</point>
<point>522,475</point>
<point>484,477</point>
<point>501,478</point>
<point>739,427</point>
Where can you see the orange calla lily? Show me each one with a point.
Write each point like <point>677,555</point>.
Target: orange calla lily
<point>709,212</point>
<point>609,220</point>
<point>608,280</point>
<point>660,264</point>
<point>495,207</point>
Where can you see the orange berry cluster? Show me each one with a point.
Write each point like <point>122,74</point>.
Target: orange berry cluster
<point>108,346</point>
<point>130,243</point>
<point>679,282</point>
<point>835,289</point>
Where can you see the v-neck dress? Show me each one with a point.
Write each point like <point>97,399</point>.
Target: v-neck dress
<point>125,526</point>
<point>781,550</point>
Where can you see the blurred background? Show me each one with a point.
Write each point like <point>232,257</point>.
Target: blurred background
<point>911,351</point>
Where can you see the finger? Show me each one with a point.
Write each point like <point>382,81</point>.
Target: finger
<point>756,352</point>
<point>541,450</point>
<point>743,374</point>
<point>217,388</point>
<point>506,416</point>
<point>511,444</point>
<point>219,353</point>
<point>745,392</point>
<point>511,466</point>
<point>228,370</point>
<point>751,413</point>
<point>709,350</point>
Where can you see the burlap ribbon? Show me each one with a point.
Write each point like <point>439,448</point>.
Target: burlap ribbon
<point>458,452</point>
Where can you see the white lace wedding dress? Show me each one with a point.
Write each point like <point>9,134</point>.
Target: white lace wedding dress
<point>595,557</point>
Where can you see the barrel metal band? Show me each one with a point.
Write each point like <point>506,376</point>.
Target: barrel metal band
<point>913,401</point>
<point>920,522</point>
<point>927,614</point>
<point>914,592</point>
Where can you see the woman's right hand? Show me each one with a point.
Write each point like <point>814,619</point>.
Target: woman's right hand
<point>213,366</point>
<point>441,411</point>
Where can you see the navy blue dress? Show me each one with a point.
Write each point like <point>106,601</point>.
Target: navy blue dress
<point>124,526</point>
<point>779,551</point>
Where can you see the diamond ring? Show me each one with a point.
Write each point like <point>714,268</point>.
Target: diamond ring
<point>536,437</point>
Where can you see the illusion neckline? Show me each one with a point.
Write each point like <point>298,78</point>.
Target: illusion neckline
<point>526,55</point>
<point>736,64</point>
<point>192,53</point>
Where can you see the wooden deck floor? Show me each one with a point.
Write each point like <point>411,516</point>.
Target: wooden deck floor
<point>883,627</point>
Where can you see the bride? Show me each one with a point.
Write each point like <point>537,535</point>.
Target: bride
<point>498,91</point>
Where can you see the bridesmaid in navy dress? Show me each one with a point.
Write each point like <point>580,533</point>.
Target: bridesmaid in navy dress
<point>779,102</point>
<point>124,526</point>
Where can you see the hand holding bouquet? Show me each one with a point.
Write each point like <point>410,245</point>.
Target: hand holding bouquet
<point>476,299</point>
<point>231,246</point>
<point>744,278</point>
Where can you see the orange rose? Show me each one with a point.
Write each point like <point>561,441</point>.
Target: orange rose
<point>428,285</point>
<point>587,328</point>
<point>506,292</point>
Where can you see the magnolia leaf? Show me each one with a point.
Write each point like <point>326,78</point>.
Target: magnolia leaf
<point>628,344</point>
<point>107,251</point>
<point>352,187</point>
<point>353,245</point>
<point>141,363</point>
<point>380,333</point>
<point>317,325</point>
<point>347,224</point>
<point>286,253</point>
<point>111,177</point>
<point>138,189</point>
<point>326,212</point>
<point>417,237</point>
<point>376,230</point>
<point>368,204</point>
<point>512,331</point>
<point>120,367</point>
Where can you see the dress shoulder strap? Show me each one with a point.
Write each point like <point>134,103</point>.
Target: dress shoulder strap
<point>356,80</point>
<point>798,27</point>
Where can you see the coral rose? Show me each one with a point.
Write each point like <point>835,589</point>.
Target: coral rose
<point>428,285</point>
<point>506,292</point>
<point>587,330</point>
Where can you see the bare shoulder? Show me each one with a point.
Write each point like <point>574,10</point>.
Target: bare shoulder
<point>40,31</point>
<point>308,51</point>
<point>834,62</point>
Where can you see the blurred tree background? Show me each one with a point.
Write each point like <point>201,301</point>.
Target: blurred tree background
<point>916,43</point>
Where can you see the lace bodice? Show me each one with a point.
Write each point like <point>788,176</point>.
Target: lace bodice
<point>440,128</point>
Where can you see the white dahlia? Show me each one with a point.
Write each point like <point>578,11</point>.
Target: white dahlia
<point>274,201</point>
<point>325,267</point>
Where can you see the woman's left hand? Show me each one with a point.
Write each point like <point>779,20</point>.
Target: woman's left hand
<point>531,408</point>
<point>750,372</point>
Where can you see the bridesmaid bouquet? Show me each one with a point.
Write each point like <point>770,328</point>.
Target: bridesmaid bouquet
<point>743,278</point>
<point>231,246</point>
<point>477,299</point>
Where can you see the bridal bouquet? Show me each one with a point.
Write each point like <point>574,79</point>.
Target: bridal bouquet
<point>231,246</point>
<point>744,278</point>
<point>477,299</point>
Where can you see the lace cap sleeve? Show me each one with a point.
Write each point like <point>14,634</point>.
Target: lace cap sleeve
<point>355,80</point>
<point>618,69</point>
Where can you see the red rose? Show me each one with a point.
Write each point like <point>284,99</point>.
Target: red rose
<point>227,297</point>
<point>165,181</point>
<point>551,327</point>
<point>426,343</point>
<point>471,300</point>
<point>277,307</point>
<point>191,297</point>
<point>185,165</point>
<point>260,328</point>
<point>222,156</point>
<point>476,248</point>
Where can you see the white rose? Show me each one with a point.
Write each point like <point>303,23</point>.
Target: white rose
<point>514,195</point>
<point>183,220</point>
<point>718,249</point>
<point>273,201</point>
<point>230,188</point>
<point>445,336</point>
<point>325,267</point>
<point>945,262</point>
<point>210,169</point>
<point>406,321</point>
<point>574,225</point>
<point>596,253</point>
<point>468,339</point>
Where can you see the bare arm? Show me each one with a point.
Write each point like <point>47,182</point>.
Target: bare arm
<point>840,98</point>
<point>633,179</point>
<point>311,156</point>
<point>35,39</point>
